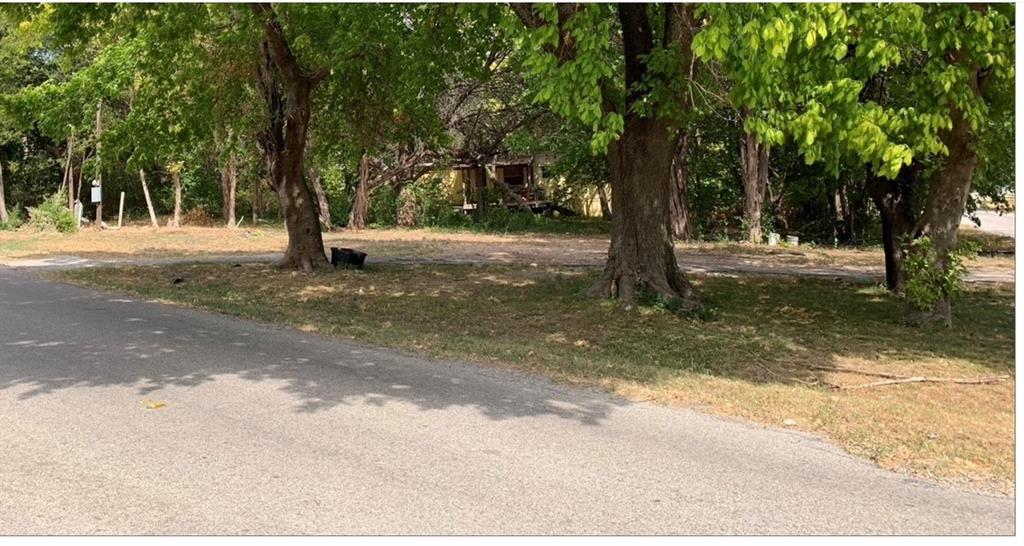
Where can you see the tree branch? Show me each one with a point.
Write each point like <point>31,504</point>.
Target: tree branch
<point>281,53</point>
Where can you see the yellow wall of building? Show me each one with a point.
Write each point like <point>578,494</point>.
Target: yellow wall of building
<point>586,202</point>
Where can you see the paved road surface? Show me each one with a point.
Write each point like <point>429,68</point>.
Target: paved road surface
<point>993,222</point>
<point>267,430</point>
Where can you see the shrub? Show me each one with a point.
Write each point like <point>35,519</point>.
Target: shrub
<point>198,217</point>
<point>382,208</point>
<point>15,218</point>
<point>433,208</point>
<point>646,297</point>
<point>928,283</point>
<point>52,215</point>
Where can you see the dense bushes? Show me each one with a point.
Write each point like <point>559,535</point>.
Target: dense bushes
<point>52,214</point>
<point>15,219</point>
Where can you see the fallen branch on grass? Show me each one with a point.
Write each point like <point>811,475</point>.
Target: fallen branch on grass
<point>977,381</point>
<point>896,379</point>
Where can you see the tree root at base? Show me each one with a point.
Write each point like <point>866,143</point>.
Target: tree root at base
<point>306,263</point>
<point>627,286</point>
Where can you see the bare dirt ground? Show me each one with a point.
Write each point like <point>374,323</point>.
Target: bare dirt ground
<point>143,244</point>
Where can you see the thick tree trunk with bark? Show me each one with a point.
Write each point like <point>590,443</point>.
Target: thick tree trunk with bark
<point>754,162</point>
<point>228,188</point>
<point>682,221</point>
<point>357,217</point>
<point>3,194</point>
<point>947,198</point>
<point>323,206</point>
<point>641,256</point>
<point>951,185</point>
<point>149,201</point>
<point>286,87</point>
<point>893,198</point>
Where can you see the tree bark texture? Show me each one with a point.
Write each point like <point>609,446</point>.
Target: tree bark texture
<point>944,206</point>
<point>641,256</point>
<point>323,205</point>
<point>951,184</point>
<point>286,88</point>
<point>229,188</point>
<point>682,221</point>
<point>357,217</point>
<point>754,161</point>
<point>149,201</point>
<point>893,199</point>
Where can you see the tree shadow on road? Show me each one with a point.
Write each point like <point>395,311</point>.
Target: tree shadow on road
<point>101,340</point>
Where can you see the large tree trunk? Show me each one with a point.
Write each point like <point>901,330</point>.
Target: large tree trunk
<point>357,217</point>
<point>682,221</point>
<point>947,198</point>
<point>321,198</point>
<point>284,141</point>
<point>754,161</point>
<point>3,198</point>
<point>176,179</point>
<point>950,185</point>
<point>149,201</point>
<point>641,256</point>
<point>892,198</point>
<point>228,187</point>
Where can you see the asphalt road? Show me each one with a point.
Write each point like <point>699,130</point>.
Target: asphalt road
<point>267,430</point>
<point>993,222</point>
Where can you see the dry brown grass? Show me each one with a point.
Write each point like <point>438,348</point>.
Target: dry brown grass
<point>419,244</point>
<point>753,361</point>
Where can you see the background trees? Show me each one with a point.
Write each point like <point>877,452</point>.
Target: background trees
<point>903,89</point>
<point>846,124</point>
<point>628,95</point>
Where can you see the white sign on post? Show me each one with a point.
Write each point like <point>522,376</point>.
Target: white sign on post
<point>97,192</point>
